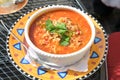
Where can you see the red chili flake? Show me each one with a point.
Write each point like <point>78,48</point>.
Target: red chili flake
<point>78,32</point>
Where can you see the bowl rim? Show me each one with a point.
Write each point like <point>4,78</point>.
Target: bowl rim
<point>55,7</point>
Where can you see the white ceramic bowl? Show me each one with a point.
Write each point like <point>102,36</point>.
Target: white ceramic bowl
<point>61,60</point>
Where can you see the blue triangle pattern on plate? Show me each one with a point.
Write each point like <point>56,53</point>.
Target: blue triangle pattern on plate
<point>17,46</point>
<point>24,61</point>
<point>62,74</point>
<point>20,31</point>
<point>97,40</point>
<point>41,71</point>
<point>94,55</point>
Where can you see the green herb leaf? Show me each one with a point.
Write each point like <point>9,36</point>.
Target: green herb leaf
<point>60,31</point>
<point>64,43</point>
<point>49,25</point>
<point>53,31</point>
<point>65,40</point>
<point>61,26</point>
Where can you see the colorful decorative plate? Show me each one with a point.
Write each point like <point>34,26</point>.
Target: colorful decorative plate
<point>12,8</point>
<point>17,53</point>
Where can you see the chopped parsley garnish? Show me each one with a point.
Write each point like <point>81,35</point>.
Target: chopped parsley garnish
<point>60,29</point>
<point>49,25</point>
<point>65,40</point>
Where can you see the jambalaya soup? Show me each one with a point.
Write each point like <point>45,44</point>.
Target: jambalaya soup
<point>60,32</point>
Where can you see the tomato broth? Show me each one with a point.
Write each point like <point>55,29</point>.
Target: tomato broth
<point>60,32</point>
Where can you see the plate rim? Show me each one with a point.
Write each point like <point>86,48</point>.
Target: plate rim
<point>13,11</point>
<point>81,78</point>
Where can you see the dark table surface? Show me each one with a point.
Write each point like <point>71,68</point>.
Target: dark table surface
<point>7,70</point>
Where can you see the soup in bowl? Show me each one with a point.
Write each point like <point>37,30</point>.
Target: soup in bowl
<point>59,34</point>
